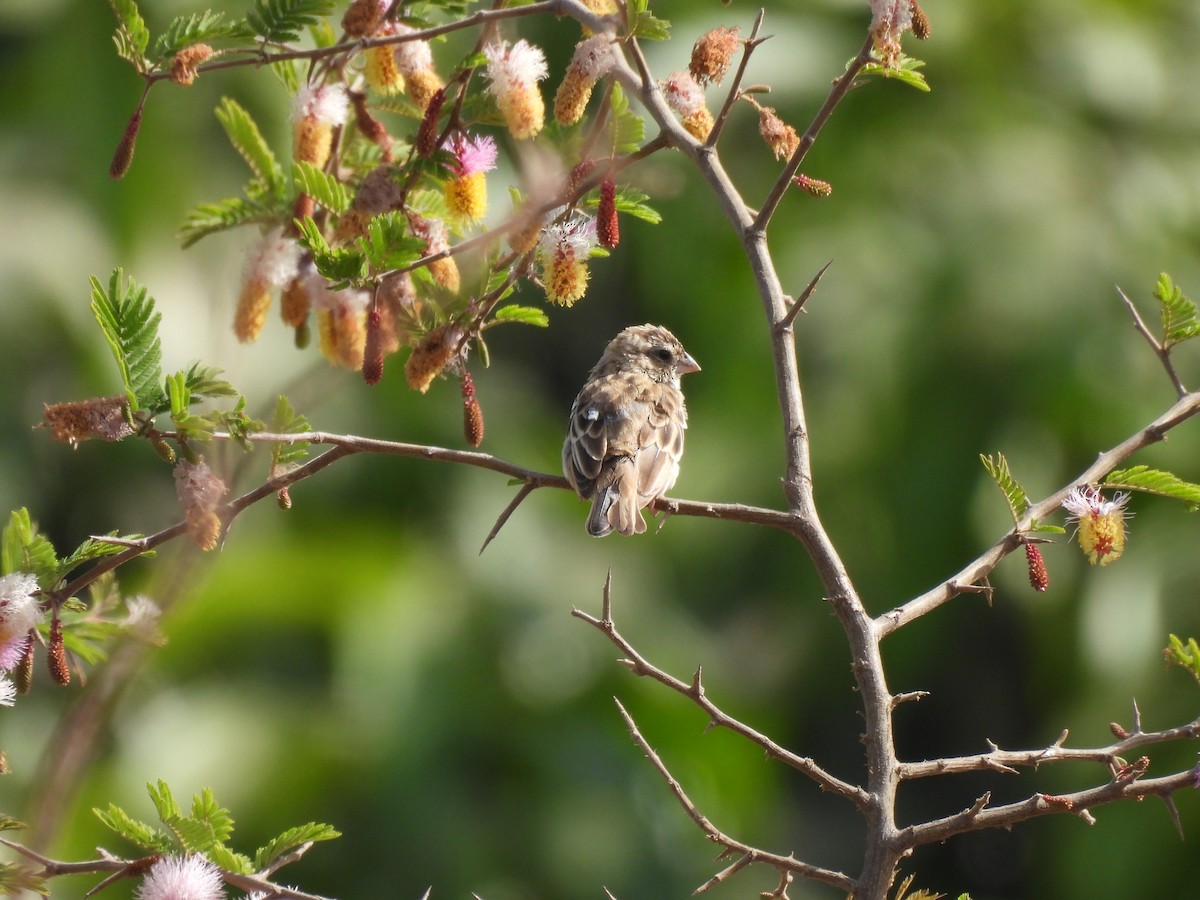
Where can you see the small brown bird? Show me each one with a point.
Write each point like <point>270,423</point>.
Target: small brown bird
<point>625,437</point>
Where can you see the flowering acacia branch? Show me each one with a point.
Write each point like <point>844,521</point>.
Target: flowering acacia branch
<point>1182,410</point>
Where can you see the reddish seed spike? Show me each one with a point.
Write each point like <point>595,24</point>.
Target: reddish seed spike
<point>23,674</point>
<point>427,133</point>
<point>56,655</point>
<point>372,370</point>
<point>608,228</point>
<point>472,414</point>
<point>1039,579</point>
<point>123,156</point>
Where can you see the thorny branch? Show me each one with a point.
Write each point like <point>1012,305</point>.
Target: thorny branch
<point>749,854</point>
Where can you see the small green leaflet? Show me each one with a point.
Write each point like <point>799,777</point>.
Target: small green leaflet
<point>906,73</point>
<point>246,138</point>
<point>340,265</point>
<point>205,830</point>
<point>183,31</point>
<point>147,837</point>
<point>209,218</point>
<point>132,36</point>
<point>24,549</point>
<point>1177,311</point>
<point>16,880</point>
<point>525,314</point>
<point>281,21</point>
<point>643,24</point>
<point>285,420</point>
<point>997,467</point>
<point>129,321</point>
<point>290,840</point>
<point>1186,656</point>
<point>1155,481</point>
<point>632,202</point>
<point>321,186</point>
<point>388,245</point>
<point>627,130</point>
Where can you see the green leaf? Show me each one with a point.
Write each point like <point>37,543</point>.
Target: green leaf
<point>16,880</point>
<point>321,186</point>
<point>132,36</point>
<point>338,265</point>
<point>1177,311</point>
<point>203,27</point>
<point>210,218</point>
<point>631,201</point>
<point>997,467</point>
<point>526,314</point>
<point>246,138</point>
<point>164,803</point>
<point>643,24</point>
<point>205,382</point>
<point>147,837</point>
<point>8,823</point>
<point>1186,656</point>
<point>129,321</point>
<point>92,549</point>
<point>627,130</point>
<point>906,72</point>
<point>290,840</point>
<point>388,243</point>
<point>1154,481</point>
<point>230,861</point>
<point>280,21</point>
<point>285,420</point>
<point>24,549</point>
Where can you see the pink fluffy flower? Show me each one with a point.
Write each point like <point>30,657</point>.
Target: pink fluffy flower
<point>19,612</point>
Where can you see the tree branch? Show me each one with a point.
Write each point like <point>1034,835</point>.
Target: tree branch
<point>694,691</point>
<point>751,854</point>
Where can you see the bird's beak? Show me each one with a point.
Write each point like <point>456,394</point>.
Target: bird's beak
<point>687,364</point>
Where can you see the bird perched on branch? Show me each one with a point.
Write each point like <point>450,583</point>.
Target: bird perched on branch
<point>625,437</point>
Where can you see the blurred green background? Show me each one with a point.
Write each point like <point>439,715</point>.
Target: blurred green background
<point>355,661</point>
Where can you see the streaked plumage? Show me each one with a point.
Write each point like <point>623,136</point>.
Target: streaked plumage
<point>625,436</point>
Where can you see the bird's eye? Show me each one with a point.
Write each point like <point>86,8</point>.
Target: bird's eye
<point>663,354</point>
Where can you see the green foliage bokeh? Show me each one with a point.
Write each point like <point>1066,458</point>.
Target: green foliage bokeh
<point>355,661</point>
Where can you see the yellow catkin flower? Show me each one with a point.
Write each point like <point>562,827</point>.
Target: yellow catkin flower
<point>381,71</point>
<point>466,193</point>
<point>1100,523</point>
<point>431,356</point>
<point>699,124</point>
<point>271,264</point>
<point>421,86</point>
<point>467,196</point>
<point>254,302</point>
<point>200,490</point>
<point>564,253</point>
<point>316,110</point>
<point>593,58</point>
<point>343,336</point>
<point>514,72</point>
<point>295,302</point>
<point>445,273</point>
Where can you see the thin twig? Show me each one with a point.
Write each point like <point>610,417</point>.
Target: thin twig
<point>694,691</point>
<point>782,863</point>
<point>838,92</point>
<point>525,491</point>
<point>1163,353</point>
<point>735,87</point>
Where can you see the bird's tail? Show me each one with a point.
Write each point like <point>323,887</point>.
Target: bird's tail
<point>615,505</point>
